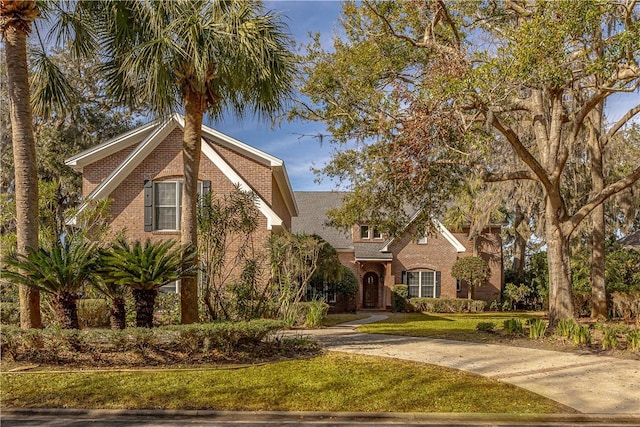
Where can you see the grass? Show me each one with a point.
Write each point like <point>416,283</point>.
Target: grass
<point>336,319</point>
<point>331,382</point>
<point>453,326</point>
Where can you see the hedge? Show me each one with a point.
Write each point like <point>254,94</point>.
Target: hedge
<point>55,345</point>
<point>446,305</point>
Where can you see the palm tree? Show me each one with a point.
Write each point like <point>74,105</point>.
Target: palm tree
<point>16,18</point>
<point>60,271</point>
<point>201,56</point>
<point>145,268</point>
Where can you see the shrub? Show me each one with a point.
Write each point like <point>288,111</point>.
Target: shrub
<point>9,313</point>
<point>446,305</point>
<point>633,340</point>
<point>581,303</point>
<point>93,313</point>
<point>55,345</point>
<point>537,328</point>
<point>581,335</point>
<point>565,328</point>
<point>400,295</point>
<point>316,311</point>
<point>626,305</point>
<point>486,326</point>
<point>515,295</point>
<point>513,326</point>
<point>610,337</point>
<point>167,309</point>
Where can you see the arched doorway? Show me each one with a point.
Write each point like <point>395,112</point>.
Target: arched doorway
<point>370,290</point>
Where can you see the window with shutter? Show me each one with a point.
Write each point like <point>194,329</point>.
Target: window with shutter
<point>163,204</point>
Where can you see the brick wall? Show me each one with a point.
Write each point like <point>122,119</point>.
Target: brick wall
<point>437,254</point>
<point>165,163</point>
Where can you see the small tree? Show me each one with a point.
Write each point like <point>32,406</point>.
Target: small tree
<point>473,270</point>
<point>225,226</point>
<point>294,260</point>
<point>348,286</point>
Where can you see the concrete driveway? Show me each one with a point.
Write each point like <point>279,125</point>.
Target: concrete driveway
<point>588,383</point>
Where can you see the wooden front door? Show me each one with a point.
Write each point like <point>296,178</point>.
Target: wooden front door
<point>370,290</point>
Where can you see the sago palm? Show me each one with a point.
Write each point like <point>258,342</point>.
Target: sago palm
<point>60,271</point>
<point>200,56</point>
<point>145,268</point>
<point>116,294</point>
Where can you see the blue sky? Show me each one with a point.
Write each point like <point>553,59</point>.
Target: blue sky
<point>292,141</point>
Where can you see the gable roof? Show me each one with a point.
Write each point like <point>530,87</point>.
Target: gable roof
<point>312,219</point>
<point>149,136</point>
<point>448,235</point>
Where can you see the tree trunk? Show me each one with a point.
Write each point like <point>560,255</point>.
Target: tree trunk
<point>191,149</point>
<point>117,317</point>
<point>24,156</point>
<point>560,301</point>
<point>598,285</point>
<point>519,245</point>
<point>598,293</point>
<point>145,300</point>
<point>66,310</point>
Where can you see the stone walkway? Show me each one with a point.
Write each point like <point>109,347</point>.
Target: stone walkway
<point>588,383</point>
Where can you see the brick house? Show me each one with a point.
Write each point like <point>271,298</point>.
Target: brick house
<point>141,171</point>
<point>424,264</point>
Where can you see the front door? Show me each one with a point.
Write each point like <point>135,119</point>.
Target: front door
<point>370,290</point>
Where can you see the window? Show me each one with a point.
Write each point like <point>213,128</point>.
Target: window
<point>422,284</point>
<point>163,204</point>
<point>365,232</point>
<point>170,288</point>
<point>377,234</point>
<point>167,201</point>
<point>323,290</point>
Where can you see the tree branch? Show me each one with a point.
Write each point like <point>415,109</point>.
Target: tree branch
<point>507,176</point>
<point>522,152</point>
<point>426,43</point>
<point>623,120</point>
<point>599,198</point>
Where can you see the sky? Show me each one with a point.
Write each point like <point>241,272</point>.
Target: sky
<point>293,141</point>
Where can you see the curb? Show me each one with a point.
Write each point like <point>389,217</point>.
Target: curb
<point>335,417</point>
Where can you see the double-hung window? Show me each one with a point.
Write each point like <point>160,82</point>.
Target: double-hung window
<point>163,204</point>
<point>167,198</point>
<point>422,284</point>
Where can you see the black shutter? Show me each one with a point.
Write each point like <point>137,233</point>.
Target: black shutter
<point>404,278</point>
<point>438,284</point>
<point>148,205</point>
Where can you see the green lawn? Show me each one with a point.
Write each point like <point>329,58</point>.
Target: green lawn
<point>456,326</point>
<point>332,382</point>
